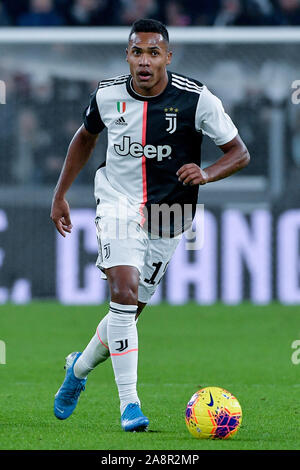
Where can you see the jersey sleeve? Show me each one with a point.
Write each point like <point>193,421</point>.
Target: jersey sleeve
<point>91,116</point>
<point>212,120</point>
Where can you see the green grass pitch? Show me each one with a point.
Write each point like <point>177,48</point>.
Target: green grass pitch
<point>246,349</point>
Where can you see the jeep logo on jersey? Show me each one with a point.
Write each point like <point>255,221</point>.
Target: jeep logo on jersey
<point>171,117</point>
<point>137,150</point>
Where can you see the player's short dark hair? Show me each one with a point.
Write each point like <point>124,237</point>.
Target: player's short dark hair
<point>149,26</point>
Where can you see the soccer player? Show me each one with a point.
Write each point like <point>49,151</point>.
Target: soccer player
<point>155,120</point>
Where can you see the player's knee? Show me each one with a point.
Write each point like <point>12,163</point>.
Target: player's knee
<point>124,295</point>
<point>123,284</point>
<point>126,298</point>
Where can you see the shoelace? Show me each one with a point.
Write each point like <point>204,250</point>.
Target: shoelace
<point>73,394</point>
<point>133,410</point>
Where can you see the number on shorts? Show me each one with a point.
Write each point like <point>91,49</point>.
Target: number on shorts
<point>157,267</point>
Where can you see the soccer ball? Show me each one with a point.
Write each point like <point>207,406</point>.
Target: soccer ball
<point>213,413</point>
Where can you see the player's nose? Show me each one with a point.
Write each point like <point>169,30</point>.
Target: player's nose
<point>144,60</point>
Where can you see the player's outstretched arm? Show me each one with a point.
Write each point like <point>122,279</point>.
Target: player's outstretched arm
<point>235,157</point>
<point>79,151</point>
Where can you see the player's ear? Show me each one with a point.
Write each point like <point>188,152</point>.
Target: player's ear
<point>169,57</point>
<point>126,54</point>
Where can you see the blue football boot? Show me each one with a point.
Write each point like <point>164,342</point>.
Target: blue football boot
<point>67,396</point>
<point>133,419</point>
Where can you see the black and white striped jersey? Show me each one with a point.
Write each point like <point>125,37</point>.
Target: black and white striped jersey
<point>150,138</point>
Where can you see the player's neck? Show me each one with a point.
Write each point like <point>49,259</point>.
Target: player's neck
<point>156,90</point>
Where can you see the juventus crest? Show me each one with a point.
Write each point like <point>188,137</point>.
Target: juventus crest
<point>123,344</point>
<point>171,118</point>
<point>106,248</point>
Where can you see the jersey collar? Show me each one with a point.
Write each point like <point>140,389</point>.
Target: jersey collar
<point>136,96</point>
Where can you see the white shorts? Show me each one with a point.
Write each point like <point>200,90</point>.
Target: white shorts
<point>124,242</point>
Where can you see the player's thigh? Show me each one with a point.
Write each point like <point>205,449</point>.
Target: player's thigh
<point>158,256</point>
<point>119,244</point>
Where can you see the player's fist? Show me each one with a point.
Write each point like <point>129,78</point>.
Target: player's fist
<point>60,215</point>
<point>191,174</point>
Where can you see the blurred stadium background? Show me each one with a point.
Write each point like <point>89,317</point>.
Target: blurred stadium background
<point>53,53</point>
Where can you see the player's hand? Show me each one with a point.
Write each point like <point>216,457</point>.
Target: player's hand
<point>60,215</point>
<point>191,174</point>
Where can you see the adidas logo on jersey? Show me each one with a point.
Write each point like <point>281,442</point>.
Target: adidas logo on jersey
<point>121,122</point>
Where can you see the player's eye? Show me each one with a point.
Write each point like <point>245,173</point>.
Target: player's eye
<point>155,53</point>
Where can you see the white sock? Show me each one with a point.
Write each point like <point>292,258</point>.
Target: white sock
<point>97,351</point>
<point>123,346</point>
